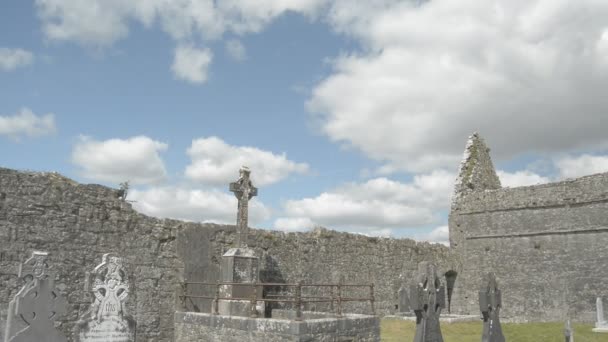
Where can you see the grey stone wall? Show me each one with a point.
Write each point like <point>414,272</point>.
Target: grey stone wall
<point>78,223</point>
<point>547,245</point>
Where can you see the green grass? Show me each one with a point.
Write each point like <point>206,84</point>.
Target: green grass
<point>393,330</point>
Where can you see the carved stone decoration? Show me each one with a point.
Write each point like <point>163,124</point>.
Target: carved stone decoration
<point>36,306</point>
<point>427,298</point>
<point>490,302</point>
<point>107,320</point>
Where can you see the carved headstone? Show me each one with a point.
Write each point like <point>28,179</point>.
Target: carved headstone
<point>568,332</point>
<point>37,305</point>
<point>601,325</point>
<point>427,298</point>
<point>107,320</point>
<point>490,302</point>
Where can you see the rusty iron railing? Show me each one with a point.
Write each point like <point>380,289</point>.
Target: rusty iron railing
<point>335,299</point>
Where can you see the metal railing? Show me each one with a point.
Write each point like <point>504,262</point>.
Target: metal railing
<point>335,299</point>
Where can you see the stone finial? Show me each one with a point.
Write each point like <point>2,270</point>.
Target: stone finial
<point>490,302</point>
<point>476,169</point>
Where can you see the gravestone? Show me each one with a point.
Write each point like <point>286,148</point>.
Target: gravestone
<point>107,320</point>
<point>490,302</point>
<point>403,308</point>
<point>36,306</point>
<point>240,265</point>
<point>427,298</point>
<point>601,325</point>
<point>568,332</point>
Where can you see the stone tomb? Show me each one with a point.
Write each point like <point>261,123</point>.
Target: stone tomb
<point>31,314</point>
<point>107,320</point>
<point>240,265</point>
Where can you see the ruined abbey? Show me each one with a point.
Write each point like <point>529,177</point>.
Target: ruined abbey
<point>546,244</point>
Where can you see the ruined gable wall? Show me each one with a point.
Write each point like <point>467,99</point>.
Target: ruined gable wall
<point>547,245</point>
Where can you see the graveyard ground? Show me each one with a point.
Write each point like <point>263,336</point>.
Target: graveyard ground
<point>393,330</point>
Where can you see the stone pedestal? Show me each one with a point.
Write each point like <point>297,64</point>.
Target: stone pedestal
<point>240,265</point>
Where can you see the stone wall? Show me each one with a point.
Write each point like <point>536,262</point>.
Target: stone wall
<point>78,223</point>
<point>547,245</point>
<point>194,327</point>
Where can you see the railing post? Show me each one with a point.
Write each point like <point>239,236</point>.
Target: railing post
<point>254,300</point>
<point>340,297</point>
<point>333,298</point>
<point>372,299</point>
<point>216,300</point>
<point>299,301</point>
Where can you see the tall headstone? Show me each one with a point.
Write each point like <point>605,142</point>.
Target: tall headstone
<point>601,325</point>
<point>240,265</point>
<point>427,298</point>
<point>31,314</point>
<point>403,308</point>
<point>107,320</point>
<point>490,302</point>
<point>568,332</point>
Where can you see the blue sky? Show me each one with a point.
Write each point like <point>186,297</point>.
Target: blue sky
<point>352,115</point>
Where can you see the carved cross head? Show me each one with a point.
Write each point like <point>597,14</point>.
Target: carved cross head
<point>36,267</point>
<point>489,295</point>
<point>243,188</point>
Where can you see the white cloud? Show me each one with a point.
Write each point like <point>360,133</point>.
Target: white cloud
<point>190,64</point>
<point>26,123</point>
<point>136,159</point>
<point>573,167</point>
<point>194,205</point>
<point>375,205</point>
<point>293,224</point>
<point>236,50</point>
<point>520,178</point>
<point>503,68</point>
<point>440,235</point>
<point>215,162</point>
<point>11,59</point>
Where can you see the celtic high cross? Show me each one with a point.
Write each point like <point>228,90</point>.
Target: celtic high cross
<point>244,191</point>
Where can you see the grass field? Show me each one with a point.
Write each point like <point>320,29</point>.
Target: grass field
<point>394,330</point>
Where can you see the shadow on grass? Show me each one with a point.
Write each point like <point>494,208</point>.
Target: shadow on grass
<point>393,330</point>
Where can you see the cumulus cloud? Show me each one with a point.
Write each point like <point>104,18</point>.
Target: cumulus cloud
<point>135,159</point>
<point>521,178</point>
<point>26,123</point>
<point>433,72</point>
<point>194,205</point>
<point>440,235</point>
<point>293,224</point>
<point>583,165</point>
<point>217,163</point>
<point>375,205</point>
<point>11,59</point>
<point>236,50</point>
<point>103,22</point>
<point>190,64</point>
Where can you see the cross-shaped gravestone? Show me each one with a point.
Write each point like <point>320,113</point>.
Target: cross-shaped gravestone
<point>244,191</point>
<point>490,302</point>
<point>427,298</point>
<point>37,304</point>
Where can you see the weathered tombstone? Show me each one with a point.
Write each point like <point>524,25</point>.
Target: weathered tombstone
<point>403,308</point>
<point>107,320</point>
<point>240,265</point>
<point>490,302</point>
<point>427,298</point>
<point>568,332</point>
<point>37,304</point>
<point>601,325</point>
